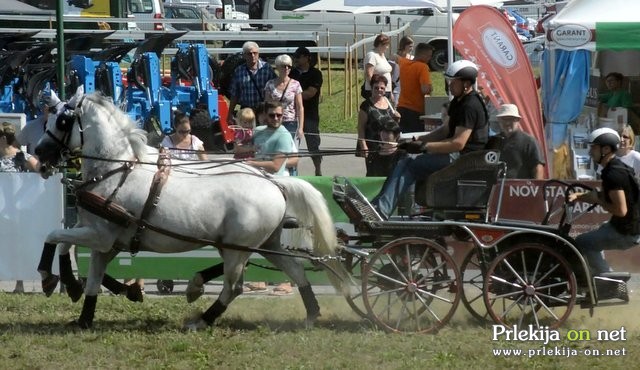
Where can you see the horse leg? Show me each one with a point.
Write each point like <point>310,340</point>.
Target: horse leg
<point>295,270</point>
<point>72,285</point>
<point>97,267</point>
<point>49,280</point>
<point>195,288</point>
<point>133,291</point>
<point>234,262</point>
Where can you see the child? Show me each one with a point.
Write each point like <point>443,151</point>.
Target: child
<point>384,160</point>
<point>243,133</point>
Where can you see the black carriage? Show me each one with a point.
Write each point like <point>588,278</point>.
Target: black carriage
<point>516,273</point>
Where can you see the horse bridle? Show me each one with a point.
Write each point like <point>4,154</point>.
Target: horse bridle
<point>65,122</point>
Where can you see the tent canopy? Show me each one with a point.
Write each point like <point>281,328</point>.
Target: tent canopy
<point>596,25</point>
<point>370,6</point>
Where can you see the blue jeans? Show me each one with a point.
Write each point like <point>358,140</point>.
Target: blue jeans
<point>592,243</point>
<point>405,174</point>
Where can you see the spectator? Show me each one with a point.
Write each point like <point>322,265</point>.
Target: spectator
<point>405,50</point>
<point>415,79</point>
<point>249,80</point>
<point>288,93</point>
<point>272,142</point>
<point>370,115</point>
<point>519,150</point>
<point>182,144</point>
<point>384,160</point>
<point>243,133</point>
<point>626,153</point>
<point>619,196</point>
<point>310,79</point>
<point>202,127</point>
<point>616,97</point>
<point>14,160</point>
<point>375,62</point>
<point>467,131</point>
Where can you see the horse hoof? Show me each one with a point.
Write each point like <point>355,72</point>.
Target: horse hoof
<point>74,291</point>
<point>194,325</point>
<point>194,289</point>
<point>80,324</point>
<point>49,284</point>
<point>135,293</point>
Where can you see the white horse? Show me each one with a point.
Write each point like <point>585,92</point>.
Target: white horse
<point>234,210</point>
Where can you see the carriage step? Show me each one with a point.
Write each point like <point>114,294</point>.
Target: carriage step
<point>616,275</point>
<point>608,288</point>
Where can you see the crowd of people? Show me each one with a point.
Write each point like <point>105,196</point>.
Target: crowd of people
<point>277,109</point>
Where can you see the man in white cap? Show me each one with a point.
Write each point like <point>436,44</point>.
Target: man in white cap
<point>519,150</point>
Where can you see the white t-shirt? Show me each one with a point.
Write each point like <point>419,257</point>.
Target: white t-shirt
<point>380,67</point>
<point>632,159</point>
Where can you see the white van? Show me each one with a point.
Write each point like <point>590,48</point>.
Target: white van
<point>147,10</point>
<point>221,10</point>
<point>430,26</point>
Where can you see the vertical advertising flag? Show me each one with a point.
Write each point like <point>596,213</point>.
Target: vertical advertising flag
<point>485,36</point>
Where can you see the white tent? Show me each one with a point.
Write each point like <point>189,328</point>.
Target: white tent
<point>596,25</point>
<point>359,6</point>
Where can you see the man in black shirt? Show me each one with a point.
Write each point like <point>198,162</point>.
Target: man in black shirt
<point>619,196</point>
<point>467,130</point>
<point>310,79</point>
<point>519,150</point>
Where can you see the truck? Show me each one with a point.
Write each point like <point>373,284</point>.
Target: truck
<point>72,8</point>
<point>428,25</point>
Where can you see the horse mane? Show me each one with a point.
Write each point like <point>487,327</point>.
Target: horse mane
<point>137,137</point>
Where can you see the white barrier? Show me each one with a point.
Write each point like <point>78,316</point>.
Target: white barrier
<point>30,208</point>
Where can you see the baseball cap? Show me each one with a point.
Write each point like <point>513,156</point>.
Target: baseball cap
<point>508,110</point>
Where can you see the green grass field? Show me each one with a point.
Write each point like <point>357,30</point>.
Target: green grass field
<point>267,333</point>
<point>332,117</point>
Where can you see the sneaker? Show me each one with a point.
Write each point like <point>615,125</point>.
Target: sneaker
<point>282,289</point>
<point>255,287</point>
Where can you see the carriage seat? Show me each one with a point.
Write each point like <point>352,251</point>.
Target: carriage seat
<point>465,184</point>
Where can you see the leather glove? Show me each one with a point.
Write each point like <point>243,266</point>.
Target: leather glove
<point>413,147</point>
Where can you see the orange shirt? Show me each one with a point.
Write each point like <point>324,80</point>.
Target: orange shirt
<point>413,74</point>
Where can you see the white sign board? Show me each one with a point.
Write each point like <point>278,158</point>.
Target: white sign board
<point>30,208</point>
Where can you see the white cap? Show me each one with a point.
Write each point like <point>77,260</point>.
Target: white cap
<point>508,110</point>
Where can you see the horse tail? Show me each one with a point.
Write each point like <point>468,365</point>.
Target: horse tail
<point>308,205</point>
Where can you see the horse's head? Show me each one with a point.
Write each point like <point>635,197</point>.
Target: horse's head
<point>63,134</point>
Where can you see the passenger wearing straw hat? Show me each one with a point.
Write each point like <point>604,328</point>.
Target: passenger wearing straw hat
<point>518,150</point>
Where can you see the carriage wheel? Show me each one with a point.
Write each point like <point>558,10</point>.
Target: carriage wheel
<point>530,284</point>
<point>354,265</point>
<point>411,285</point>
<point>164,286</point>
<point>473,287</point>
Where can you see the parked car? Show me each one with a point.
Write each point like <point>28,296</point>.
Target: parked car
<point>199,17</point>
<point>147,10</point>
<point>216,9</point>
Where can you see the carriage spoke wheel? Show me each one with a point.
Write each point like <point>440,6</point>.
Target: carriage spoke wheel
<point>411,285</point>
<point>530,284</point>
<point>473,287</point>
<point>354,265</point>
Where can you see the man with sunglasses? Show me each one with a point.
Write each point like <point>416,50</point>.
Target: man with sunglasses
<point>249,80</point>
<point>272,142</point>
<point>467,130</point>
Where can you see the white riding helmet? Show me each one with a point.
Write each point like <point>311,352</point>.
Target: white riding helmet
<point>463,69</point>
<point>605,136</point>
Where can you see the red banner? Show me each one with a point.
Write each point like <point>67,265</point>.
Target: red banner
<point>485,36</point>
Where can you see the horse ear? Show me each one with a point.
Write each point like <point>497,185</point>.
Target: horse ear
<point>73,102</point>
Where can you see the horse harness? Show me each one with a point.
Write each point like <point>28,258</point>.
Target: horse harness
<point>113,212</point>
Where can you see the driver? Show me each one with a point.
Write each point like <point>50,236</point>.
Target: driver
<point>619,196</point>
<point>467,130</point>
